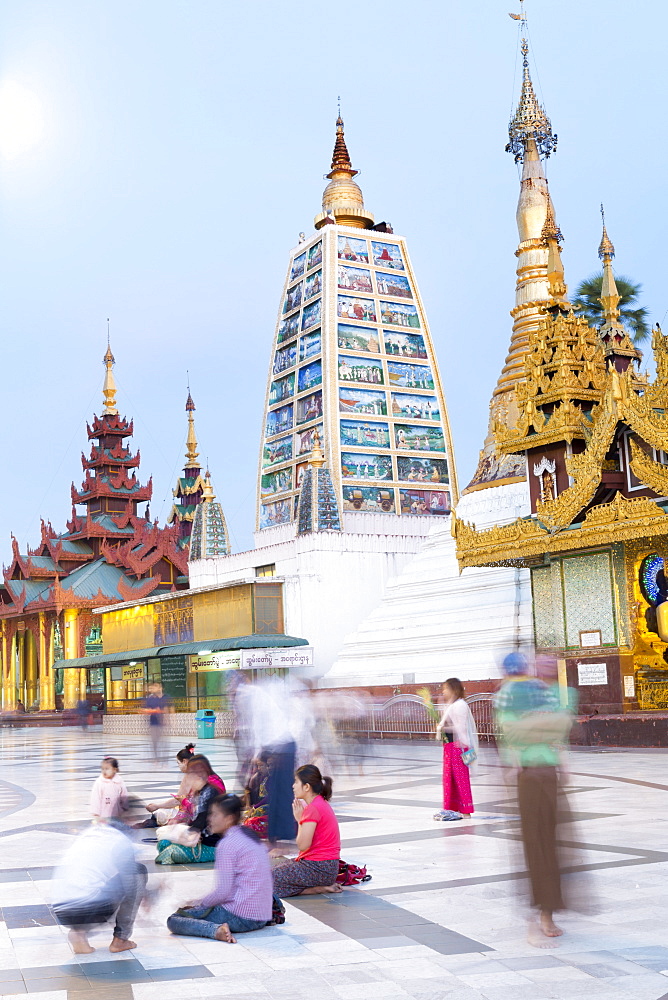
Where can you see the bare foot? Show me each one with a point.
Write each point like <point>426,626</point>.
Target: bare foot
<point>79,943</point>
<point>537,938</point>
<point>223,933</point>
<point>548,926</point>
<point>119,944</point>
<point>318,889</point>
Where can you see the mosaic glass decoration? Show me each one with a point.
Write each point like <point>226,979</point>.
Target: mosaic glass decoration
<point>393,284</point>
<point>353,250</point>
<point>548,606</point>
<point>424,502</point>
<point>650,568</point>
<point>313,285</point>
<point>297,268</point>
<point>368,401</point>
<point>284,359</point>
<point>293,299</point>
<point>272,514</point>
<point>387,255</point>
<point>588,597</point>
<point>282,389</point>
<point>368,498</point>
<point>310,345</point>
<point>315,255</point>
<point>312,315</point>
<point>277,451</point>
<point>358,338</point>
<point>364,434</point>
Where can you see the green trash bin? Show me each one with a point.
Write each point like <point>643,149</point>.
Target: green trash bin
<point>206,724</point>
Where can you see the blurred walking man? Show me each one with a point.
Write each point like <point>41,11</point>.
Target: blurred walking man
<point>534,730</point>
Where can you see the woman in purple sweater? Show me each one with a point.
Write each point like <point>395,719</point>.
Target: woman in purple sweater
<point>242,896</point>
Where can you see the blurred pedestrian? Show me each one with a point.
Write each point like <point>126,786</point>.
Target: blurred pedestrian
<point>456,728</point>
<point>108,794</point>
<point>534,729</point>
<point>83,711</point>
<point>156,704</point>
<point>97,878</point>
<point>242,897</point>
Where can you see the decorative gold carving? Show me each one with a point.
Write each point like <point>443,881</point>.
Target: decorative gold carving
<point>649,472</point>
<point>564,364</point>
<point>523,541</point>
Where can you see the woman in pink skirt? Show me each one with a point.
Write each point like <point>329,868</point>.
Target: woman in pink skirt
<point>457,730</point>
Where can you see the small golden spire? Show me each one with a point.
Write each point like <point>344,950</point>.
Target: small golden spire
<point>530,120</point>
<point>317,459</point>
<point>342,197</point>
<point>191,441</point>
<point>609,294</point>
<point>109,387</point>
<point>552,237</point>
<point>615,338</point>
<point>207,492</point>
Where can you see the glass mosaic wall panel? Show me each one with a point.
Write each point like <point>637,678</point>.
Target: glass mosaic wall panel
<point>588,597</point>
<point>548,606</point>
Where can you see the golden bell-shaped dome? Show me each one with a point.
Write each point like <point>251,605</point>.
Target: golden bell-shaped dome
<point>342,200</point>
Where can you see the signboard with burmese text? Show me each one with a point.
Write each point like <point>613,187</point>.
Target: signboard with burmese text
<point>592,674</point>
<point>253,659</point>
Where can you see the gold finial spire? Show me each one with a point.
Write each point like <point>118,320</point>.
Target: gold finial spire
<point>109,387</point>
<point>530,122</point>
<point>552,237</point>
<point>609,294</point>
<point>612,332</point>
<point>317,459</point>
<point>191,441</point>
<point>207,492</point>
<point>342,198</point>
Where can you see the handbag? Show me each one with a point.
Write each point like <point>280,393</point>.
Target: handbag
<point>469,757</point>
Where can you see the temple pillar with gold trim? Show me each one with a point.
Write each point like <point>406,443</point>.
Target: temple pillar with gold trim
<point>30,668</point>
<point>71,682</point>
<point>47,685</point>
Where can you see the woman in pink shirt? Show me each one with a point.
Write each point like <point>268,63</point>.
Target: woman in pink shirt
<point>315,868</point>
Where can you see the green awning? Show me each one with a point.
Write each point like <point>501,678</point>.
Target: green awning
<point>184,649</point>
<point>99,659</point>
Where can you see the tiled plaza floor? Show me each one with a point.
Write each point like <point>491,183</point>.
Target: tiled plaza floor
<point>443,916</point>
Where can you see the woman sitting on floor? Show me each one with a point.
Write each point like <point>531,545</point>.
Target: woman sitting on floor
<point>241,899</point>
<point>192,842</point>
<point>257,794</point>
<point>316,867</point>
<point>179,808</point>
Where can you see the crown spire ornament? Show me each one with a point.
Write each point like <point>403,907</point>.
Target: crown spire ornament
<point>109,387</point>
<point>192,453</point>
<point>530,123</point>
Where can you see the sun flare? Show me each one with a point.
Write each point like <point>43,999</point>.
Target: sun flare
<point>21,119</point>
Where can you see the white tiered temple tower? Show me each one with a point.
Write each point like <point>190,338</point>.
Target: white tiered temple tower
<point>353,362</point>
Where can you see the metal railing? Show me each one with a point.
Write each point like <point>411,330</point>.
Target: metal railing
<point>406,716</point>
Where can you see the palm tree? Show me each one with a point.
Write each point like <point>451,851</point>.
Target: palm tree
<point>587,301</point>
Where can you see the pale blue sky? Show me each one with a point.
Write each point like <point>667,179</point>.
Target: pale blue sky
<point>183,151</point>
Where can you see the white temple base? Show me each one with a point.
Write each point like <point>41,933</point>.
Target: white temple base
<point>332,580</point>
<point>383,602</point>
<point>433,622</point>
